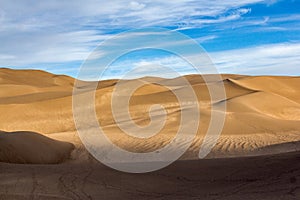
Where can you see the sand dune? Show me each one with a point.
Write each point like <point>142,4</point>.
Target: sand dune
<point>32,148</point>
<point>259,102</point>
<point>261,111</point>
<point>256,156</point>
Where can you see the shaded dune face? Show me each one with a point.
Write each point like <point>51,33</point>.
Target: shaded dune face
<point>32,148</point>
<point>261,111</point>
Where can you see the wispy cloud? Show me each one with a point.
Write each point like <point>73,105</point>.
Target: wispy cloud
<point>61,31</point>
<point>266,59</point>
<point>279,59</point>
<point>33,48</point>
<point>167,66</point>
<point>232,15</point>
<point>117,13</point>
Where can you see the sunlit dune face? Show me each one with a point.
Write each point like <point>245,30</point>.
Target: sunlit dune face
<point>140,104</point>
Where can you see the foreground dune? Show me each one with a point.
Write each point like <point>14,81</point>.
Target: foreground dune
<point>32,148</point>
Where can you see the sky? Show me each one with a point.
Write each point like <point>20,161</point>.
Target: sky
<point>255,37</point>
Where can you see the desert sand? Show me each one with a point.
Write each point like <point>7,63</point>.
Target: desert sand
<point>256,157</point>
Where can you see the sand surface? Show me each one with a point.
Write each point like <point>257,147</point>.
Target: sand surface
<point>267,177</point>
<point>256,156</point>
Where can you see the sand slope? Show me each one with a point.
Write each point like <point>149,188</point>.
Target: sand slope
<point>32,148</point>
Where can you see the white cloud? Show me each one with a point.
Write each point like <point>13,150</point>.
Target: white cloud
<point>236,14</point>
<point>266,59</point>
<point>279,59</point>
<point>136,6</point>
<point>117,12</point>
<point>33,48</point>
<point>166,66</point>
<point>33,32</point>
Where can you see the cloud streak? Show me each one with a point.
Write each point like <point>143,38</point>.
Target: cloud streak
<point>62,31</point>
<point>278,59</point>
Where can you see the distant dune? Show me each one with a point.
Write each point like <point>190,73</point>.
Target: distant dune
<point>37,127</point>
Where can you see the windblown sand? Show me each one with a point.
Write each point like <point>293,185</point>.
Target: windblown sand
<point>262,119</point>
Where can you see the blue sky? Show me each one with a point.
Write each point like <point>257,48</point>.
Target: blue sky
<point>254,37</point>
